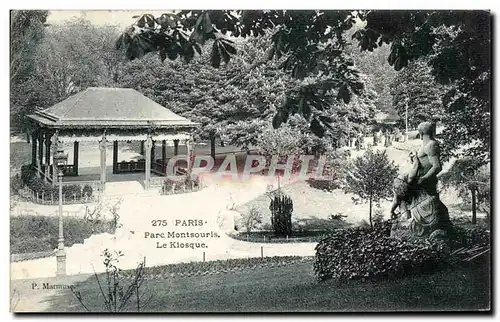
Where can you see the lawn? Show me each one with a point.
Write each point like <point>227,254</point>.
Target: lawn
<point>294,288</point>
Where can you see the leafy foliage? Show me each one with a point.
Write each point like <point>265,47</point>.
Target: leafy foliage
<point>472,179</point>
<point>69,58</point>
<point>333,172</point>
<point>464,237</point>
<point>309,42</point>
<point>187,184</point>
<point>48,192</point>
<point>369,253</point>
<point>371,177</point>
<point>377,72</point>
<point>457,44</point>
<point>76,55</point>
<point>216,266</point>
<point>251,219</point>
<point>26,33</point>
<point>414,87</point>
<point>227,102</point>
<point>280,142</point>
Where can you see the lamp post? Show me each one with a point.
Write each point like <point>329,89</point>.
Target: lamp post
<point>406,121</point>
<point>60,159</point>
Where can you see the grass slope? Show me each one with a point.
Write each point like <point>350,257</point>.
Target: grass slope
<point>294,288</point>
<point>30,234</point>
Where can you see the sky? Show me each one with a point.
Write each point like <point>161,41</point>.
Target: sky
<point>99,17</point>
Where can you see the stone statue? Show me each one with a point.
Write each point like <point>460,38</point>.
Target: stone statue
<point>422,214</point>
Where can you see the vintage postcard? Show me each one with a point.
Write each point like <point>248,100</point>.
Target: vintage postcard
<point>250,161</point>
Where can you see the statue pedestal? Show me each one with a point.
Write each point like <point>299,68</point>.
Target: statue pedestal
<point>401,228</point>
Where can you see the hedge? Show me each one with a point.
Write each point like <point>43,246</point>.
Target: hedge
<point>371,254</point>
<point>39,186</point>
<point>187,184</point>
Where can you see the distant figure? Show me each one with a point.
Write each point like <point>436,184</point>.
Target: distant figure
<point>416,193</point>
<point>361,139</point>
<point>375,138</point>
<point>397,135</point>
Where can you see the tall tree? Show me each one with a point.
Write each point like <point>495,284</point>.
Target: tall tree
<point>415,89</point>
<point>373,65</point>
<point>76,55</point>
<point>73,55</point>
<point>26,32</point>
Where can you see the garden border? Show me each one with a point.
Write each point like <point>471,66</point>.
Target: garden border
<point>286,261</point>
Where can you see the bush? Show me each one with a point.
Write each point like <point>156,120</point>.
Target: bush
<point>27,173</point>
<point>465,237</point>
<point>16,183</point>
<point>251,219</point>
<point>217,265</point>
<point>71,192</point>
<point>190,182</point>
<point>187,183</point>
<point>281,214</point>
<point>370,253</point>
<point>87,191</point>
<point>322,184</point>
<point>39,186</point>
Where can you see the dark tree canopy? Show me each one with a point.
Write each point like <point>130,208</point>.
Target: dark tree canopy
<point>311,41</point>
<point>457,44</point>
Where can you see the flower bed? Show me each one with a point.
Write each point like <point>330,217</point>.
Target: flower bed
<point>217,266</point>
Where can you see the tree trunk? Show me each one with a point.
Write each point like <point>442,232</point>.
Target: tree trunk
<point>212,146</point>
<point>474,217</point>
<point>371,223</point>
